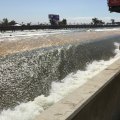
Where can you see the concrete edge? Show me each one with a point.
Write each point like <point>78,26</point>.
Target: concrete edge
<point>69,106</point>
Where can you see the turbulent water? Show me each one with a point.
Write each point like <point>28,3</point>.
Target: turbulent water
<point>19,35</point>
<point>29,110</point>
<point>60,71</point>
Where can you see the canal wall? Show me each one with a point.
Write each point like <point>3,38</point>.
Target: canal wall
<point>98,99</point>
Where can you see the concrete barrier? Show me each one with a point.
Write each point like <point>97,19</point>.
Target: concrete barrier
<point>98,99</point>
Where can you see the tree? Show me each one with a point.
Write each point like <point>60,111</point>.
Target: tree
<point>53,22</point>
<point>12,23</point>
<point>29,24</point>
<point>100,22</point>
<point>95,21</point>
<point>63,22</point>
<point>112,21</point>
<point>22,24</point>
<point>5,22</point>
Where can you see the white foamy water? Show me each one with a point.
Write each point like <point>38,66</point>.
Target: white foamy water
<point>29,110</point>
<point>18,35</point>
<point>22,35</point>
<point>104,29</point>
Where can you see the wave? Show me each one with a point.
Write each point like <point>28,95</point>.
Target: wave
<point>29,110</point>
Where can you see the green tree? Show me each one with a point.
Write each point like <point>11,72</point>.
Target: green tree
<point>11,23</point>
<point>53,22</point>
<point>100,22</point>
<point>29,24</point>
<point>95,21</point>
<point>112,21</point>
<point>5,22</point>
<point>63,22</point>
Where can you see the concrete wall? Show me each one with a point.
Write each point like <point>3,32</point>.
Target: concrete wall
<point>98,99</point>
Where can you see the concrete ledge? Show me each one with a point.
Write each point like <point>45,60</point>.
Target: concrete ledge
<point>96,100</point>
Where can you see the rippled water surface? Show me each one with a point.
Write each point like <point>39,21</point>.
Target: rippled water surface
<point>31,82</point>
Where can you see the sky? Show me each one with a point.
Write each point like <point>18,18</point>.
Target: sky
<point>75,11</point>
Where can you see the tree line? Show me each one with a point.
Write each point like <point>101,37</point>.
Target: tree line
<point>95,21</point>
<point>6,22</point>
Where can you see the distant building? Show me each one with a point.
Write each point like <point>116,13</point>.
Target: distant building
<point>54,19</point>
<point>17,24</point>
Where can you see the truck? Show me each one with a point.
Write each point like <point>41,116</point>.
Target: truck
<point>114,5</point>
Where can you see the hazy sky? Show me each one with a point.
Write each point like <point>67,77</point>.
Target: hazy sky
<point>38,10</point>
